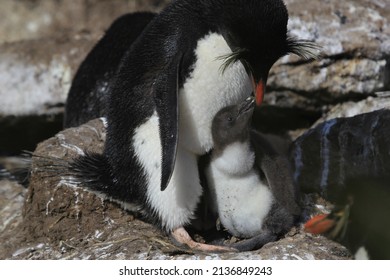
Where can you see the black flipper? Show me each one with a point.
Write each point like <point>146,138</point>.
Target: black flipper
<point>166,91</point>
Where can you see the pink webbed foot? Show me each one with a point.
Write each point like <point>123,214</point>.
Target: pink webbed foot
<point>181,236</point>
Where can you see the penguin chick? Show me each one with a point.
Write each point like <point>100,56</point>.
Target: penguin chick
<point>250,201</point>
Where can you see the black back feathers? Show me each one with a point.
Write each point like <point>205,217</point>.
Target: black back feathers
<point>87,98</point>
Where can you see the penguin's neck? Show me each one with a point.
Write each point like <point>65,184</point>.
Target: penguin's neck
<point>236,159</point>
<point>207,90</point>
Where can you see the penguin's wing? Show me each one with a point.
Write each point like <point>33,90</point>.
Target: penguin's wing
<point>277,171</point>
<point>166,90</point>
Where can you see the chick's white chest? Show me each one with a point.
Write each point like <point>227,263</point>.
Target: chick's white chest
<point>242,200</point>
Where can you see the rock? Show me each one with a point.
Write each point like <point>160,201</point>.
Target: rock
<point>354,34</point>
<point>304,246</point>
<point>327,155</point>
<point>343,27</point>
<point>35,79</point>
<point>42,43</point>
<point>11,202</point>
<point>61,220</point>
<point>36,75</point>
<point>346,110</point>
<point>355,37</point>
<point>26,20</point>
<point>350,109</point>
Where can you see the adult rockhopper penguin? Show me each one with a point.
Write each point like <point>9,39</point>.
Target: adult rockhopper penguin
<point>191,60</point>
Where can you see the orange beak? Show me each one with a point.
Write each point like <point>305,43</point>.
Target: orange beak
<point>319,224</point>
<point>259,90</point>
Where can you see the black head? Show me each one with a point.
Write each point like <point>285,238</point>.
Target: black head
<point>256,31</point>
<point>232,123</point>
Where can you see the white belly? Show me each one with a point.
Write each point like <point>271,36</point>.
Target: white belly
<point>202,96</point>
<point>243,202</point>
<point>177,203</point>
<point>208,90</point>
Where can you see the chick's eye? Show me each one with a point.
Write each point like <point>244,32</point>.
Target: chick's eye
<point>230,119</point>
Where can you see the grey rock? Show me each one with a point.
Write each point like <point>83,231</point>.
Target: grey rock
<point>11,203</point>
<point>42,43</point>
<point>350,109</point>
<point>35,79</point>
<point>11,199</point>
<point>26,20</point>
<point>36,75</point>
<point>358,26</point>
<point>355,37</point>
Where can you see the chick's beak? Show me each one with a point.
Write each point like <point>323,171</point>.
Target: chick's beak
<point>259,89</point>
